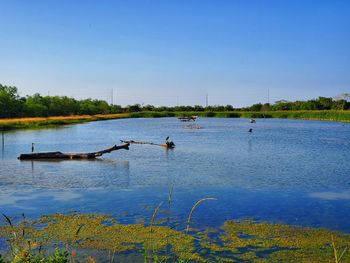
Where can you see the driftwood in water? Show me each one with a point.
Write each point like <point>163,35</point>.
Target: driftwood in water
<point>60,155</point>
<point>167,144</point>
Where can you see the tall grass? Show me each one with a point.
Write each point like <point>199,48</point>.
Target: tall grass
<point>193,208</point>
<point>336,257</point>
<point>147,254</point>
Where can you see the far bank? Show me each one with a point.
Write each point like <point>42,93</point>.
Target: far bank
<point>41,122</point>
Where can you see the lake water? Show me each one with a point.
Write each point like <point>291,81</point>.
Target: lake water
<point>286,171</point>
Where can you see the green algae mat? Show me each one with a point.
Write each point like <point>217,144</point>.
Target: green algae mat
<point>82,235</point>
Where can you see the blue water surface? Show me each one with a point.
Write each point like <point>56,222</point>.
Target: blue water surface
<point>286,171</point>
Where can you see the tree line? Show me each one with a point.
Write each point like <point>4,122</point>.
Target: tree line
<point>12,105</point>
<point>321,103</point>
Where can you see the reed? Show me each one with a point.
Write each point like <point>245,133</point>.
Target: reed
<point>155,212</point>
<point>193,208</point>
<point>170,197</point>
<point>147,256</point>
<point>336,257</point>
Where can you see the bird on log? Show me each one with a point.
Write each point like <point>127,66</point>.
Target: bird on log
<point>167,144</point>
<point>60,155</point>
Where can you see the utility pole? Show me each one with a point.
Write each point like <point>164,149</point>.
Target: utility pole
<point>206,100</point>
<point>112,96</point>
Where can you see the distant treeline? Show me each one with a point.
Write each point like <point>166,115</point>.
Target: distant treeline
<point>12,105</point>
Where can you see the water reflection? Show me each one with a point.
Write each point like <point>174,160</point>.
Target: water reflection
<point>23,198</point>
<point>90,173</point>
<point>32,166</point>
<point>345,195</point>
<point>168,151</point>
<point>249,144</point>
<point>2,144</point>
<point>106,161</point>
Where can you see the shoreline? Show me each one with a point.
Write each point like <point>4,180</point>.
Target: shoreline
<point>43,122</point>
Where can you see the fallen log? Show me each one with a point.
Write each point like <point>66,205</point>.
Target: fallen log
<point>60,155</point>
<point>168,144</point>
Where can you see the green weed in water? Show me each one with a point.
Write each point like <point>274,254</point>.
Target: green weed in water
<point>236,241</point>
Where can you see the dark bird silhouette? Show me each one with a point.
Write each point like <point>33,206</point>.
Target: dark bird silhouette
<point>250,130</point>
<point>167,138</point>
<point>33,146</point>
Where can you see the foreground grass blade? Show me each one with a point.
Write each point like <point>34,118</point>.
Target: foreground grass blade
<point>193,208</point>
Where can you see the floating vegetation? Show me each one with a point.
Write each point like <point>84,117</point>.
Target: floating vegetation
<point>243,241</point>
<point>98,232</point>
<point>264,242</point>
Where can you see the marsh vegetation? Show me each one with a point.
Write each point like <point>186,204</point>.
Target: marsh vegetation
<point>87,237</point>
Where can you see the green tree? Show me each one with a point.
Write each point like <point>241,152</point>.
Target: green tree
<point>256,107</point>
<point>36,106</point>
<point>11,105</point>
<point>133,108</point>
<point>325,103</point>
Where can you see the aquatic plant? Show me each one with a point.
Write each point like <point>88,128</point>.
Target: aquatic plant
<point>236,241</point>
<point>243,241</point>
<point>102,232</point>
<point>264,242</point>
<point>24,248</point>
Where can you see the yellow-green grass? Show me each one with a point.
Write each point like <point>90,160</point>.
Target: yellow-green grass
<point>37,122</point>
<point>21,123</point>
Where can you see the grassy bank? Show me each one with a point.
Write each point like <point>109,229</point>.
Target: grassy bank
<point>22,123</point>
<point>327,115</point>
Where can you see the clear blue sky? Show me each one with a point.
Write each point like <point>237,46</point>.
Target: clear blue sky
<point>153,51</point>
